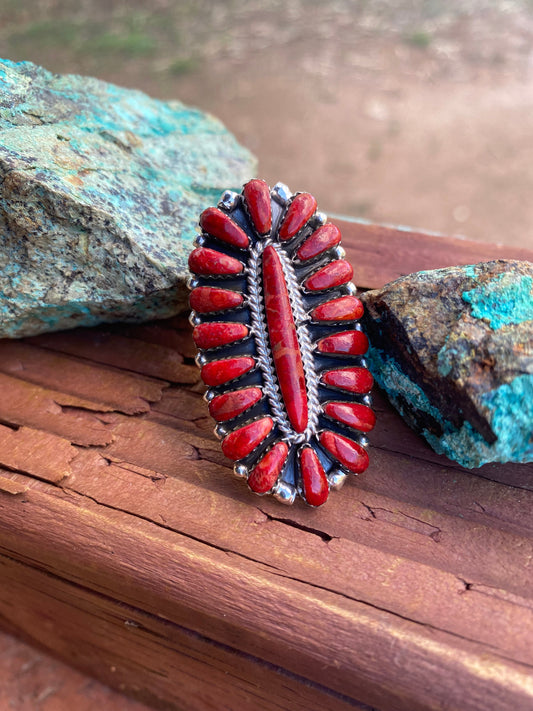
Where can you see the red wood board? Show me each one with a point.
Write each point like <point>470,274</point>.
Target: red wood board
<point>128,549</point>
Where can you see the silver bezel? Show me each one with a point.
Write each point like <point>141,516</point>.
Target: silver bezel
<point>253,304</point>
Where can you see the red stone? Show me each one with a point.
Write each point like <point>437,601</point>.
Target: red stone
<point>354,380</point>
<point>209,261</point>
<point>333,274</point>
<point>350,454</point>
<point>346,308</point>
<point>323,238</point>
<point>257,196</point>
<point>314,481</point>
<point>263,477</point>
<point>345,343</point>
<point>240,443</point>
<point>229,405</point>
<point>283,340</point>
<point>218,333</point>
<point>221,371</point>
<point>220,225</point>
<point>360,417</point>
<point>300,210</point>
<point>205,299</point>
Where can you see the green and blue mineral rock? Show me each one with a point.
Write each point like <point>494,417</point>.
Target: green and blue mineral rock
<point>100,192</point>
<point>453,349</point>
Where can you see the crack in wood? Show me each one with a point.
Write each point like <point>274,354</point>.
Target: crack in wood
<point>148,519</point>
<point>398,518</point>
<point>326,537</point>
<point>420,623</point>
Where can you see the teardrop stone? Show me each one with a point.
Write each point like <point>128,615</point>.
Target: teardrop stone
<point>217,223</point>
<point>345,308</point>
<point>240,443</point>
<point>209,261</point>
<point>218,333</point>
<point>229,405</point>
<point>314,480</point>
<point>300,210</point>
<point>350,454</point>
<point>257,196</point>
<point>222,371</point>
<point>333,274</point>
<point>265,474</point>
<point>354,380</point>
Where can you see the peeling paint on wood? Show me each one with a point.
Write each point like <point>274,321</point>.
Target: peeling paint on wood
<point>151,568</point>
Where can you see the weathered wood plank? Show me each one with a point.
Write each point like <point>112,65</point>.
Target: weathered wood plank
<point>31,680</point>
<point>122,529</point>
<point>207,676</point>
<point>151,359</point>
<point>225,596</point>
<point>380,253</point>
<point>24,403</point>
<point>108,389</point>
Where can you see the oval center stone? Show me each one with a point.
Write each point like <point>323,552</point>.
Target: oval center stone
<point>284,340</point>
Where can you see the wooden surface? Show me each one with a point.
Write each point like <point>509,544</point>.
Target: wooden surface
<point>33,681</point>
<point>128,549</point>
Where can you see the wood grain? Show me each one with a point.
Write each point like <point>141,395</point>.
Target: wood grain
<point>31,680</point>
<point>381,254</point>
<point>128,549</point>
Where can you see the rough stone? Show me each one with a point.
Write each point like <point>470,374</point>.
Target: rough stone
<point>453,349</point>
<point>101,189</point>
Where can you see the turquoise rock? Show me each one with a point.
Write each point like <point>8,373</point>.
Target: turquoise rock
<point>453,349</point>
<point>101,189</point>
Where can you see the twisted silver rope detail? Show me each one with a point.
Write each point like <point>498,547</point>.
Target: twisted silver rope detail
<point>259,328</point>
<point>265,360</point>
<point>304,341</point>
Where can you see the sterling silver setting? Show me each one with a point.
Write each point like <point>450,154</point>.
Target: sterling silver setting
<point>257,345</point>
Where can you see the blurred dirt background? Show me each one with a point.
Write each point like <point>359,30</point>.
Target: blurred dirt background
<point>402,111</point>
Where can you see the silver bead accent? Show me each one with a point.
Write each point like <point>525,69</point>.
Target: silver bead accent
<point>200,360</point>
<point>320,218</point>
<point>351,289</point>
<point>199,241</point>
<point>209,395</point>
<point>367,400</point>
<point>240,471</point>
<point>281,193</point>
<point>363,441</point>
<point>340,252</point>
<point>194,319</point>
<point>220,431</point>
<point>336,479</point>
<point>228,200</point>
<point>192,283</point>
<point>284,493</point>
